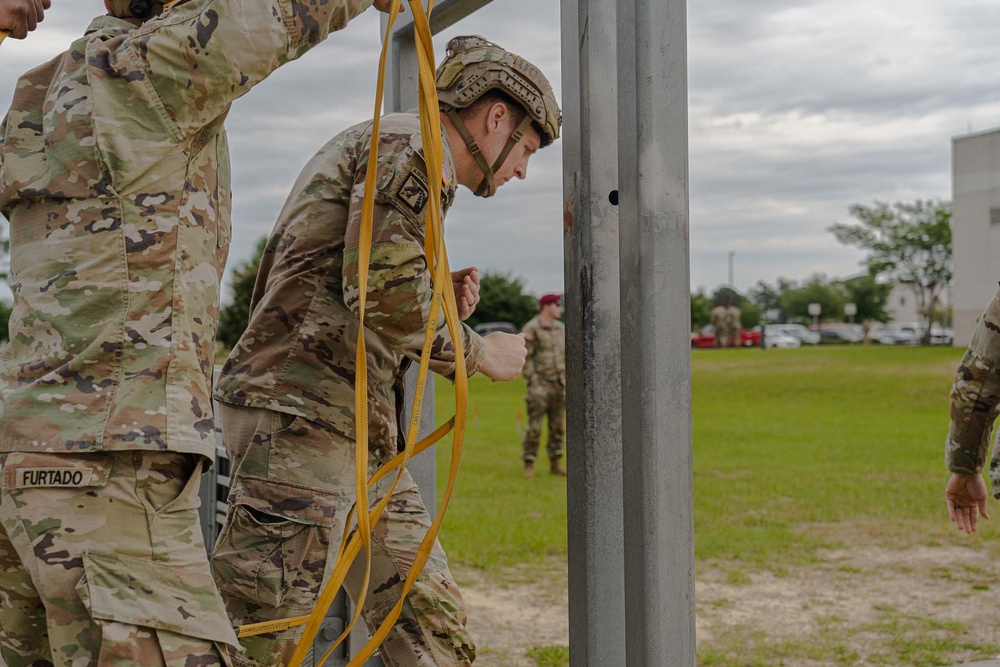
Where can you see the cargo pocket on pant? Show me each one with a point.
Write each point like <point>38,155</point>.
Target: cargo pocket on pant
<point>151,613</point>
<point>275,544</point>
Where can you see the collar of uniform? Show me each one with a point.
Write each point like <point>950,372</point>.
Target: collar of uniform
<point>112,23</point>
<point>448,184</point>
<point>448,162</point>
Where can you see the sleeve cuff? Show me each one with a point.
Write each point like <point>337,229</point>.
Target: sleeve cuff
<point>475,355</point>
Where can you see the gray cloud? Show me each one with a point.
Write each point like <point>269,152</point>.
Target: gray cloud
<point>798,108</point>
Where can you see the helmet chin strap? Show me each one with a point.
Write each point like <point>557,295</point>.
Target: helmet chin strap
<point>488,186</point>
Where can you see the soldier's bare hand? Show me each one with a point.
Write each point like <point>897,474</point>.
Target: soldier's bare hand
<point>19,17</point>
<point>386,5</point>
<point>466,285</point>
<point>505,355</point>
<point>966,496</point>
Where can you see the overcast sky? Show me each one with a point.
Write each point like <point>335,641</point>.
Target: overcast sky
<point>798,108</point>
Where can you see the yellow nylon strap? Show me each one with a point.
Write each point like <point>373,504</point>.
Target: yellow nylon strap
<point>264,627</point>
<point>437,262</point>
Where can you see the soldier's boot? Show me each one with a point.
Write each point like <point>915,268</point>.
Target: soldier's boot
<point>529,468</point>
<point>556,468</point>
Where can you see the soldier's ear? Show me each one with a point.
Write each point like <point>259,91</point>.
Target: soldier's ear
<point>497,117</point>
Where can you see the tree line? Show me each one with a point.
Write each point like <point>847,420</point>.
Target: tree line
<point>907,243</point>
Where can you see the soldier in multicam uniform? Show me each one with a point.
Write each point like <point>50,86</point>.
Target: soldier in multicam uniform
<point>114,175</point>
<point>975,398</point>
<point>720,323</point>
<point>287,390</point>
<point>545,374</point>
<point>733,324</point>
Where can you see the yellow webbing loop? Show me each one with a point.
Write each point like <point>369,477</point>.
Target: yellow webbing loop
<point>443,296</point>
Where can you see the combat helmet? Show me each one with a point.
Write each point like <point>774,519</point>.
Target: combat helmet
<point>136,9</point>
<point>474,66</point>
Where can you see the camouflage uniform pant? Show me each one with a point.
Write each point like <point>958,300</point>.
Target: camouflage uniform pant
<point>102,562</point>
<point>723,337</point>
<point>545,398</point>
<point>292,489</point>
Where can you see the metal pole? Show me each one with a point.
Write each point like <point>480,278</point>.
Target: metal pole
<point>732,277</point>
<point>593,345</point>
<point>656,355</point>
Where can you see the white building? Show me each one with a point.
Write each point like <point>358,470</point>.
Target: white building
<point>975,227</point>
<point>902,305</point>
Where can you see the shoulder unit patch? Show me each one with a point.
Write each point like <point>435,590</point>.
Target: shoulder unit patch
<point>413,192</point>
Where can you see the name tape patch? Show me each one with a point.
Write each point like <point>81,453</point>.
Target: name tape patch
<point>29,478</point>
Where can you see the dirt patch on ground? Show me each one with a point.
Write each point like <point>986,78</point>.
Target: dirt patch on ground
<point>516,611</point>
<point>865,605</point>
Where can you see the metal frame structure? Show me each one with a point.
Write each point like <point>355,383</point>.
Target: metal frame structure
<point>631,546</point>
<point>593,342</point>
<point>655,321</point>
<point>626,242</point>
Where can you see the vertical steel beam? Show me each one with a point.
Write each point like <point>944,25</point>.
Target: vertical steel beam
<point>656,348</point>
<point>593,387</point>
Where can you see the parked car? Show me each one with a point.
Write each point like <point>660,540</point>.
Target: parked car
<point>775,337</point>
<point>841,333</point>
<point>942,335</point>
<point>706,337</point>
<point>798,331</point>
<point>900,334</point>
<point>486,328</point>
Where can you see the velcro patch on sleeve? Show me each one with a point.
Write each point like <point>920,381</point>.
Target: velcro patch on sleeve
<point>413,192</point>
<point>31,478</point>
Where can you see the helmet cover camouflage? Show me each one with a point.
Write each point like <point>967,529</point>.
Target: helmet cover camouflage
<point>474,65</point>
<point>135,9</point>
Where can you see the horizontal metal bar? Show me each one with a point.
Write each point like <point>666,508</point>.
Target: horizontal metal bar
<point>445,14</point>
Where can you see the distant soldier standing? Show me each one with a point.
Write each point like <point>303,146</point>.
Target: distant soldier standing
<point>545,373</point>
<point>974,400</point>
<point>720,323</point>
<point>733,324</point>
<point>114,175</point>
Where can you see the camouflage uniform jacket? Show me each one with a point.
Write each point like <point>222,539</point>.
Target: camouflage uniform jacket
<point>733,319</point>
<point>114,174</point>
<point>546,359</point>
<point>975,397</point>
<point>298,354</point>
<point>720,318</point>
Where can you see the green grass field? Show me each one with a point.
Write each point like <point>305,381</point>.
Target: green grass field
<point>782,440</point>
<point>795,452</point>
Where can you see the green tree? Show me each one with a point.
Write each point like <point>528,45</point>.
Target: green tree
<point>502,298</point>
<point>750,314</point>
<point>5,311</point>
<point>701,309</point>
<point>233,319</point>
<point>795,302</point>
<point>870,296</point>
<point>909,243</point>
<point>726,295</point>
<point>768,298</point>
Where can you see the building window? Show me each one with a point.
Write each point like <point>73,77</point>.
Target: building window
<point>995,216</point>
